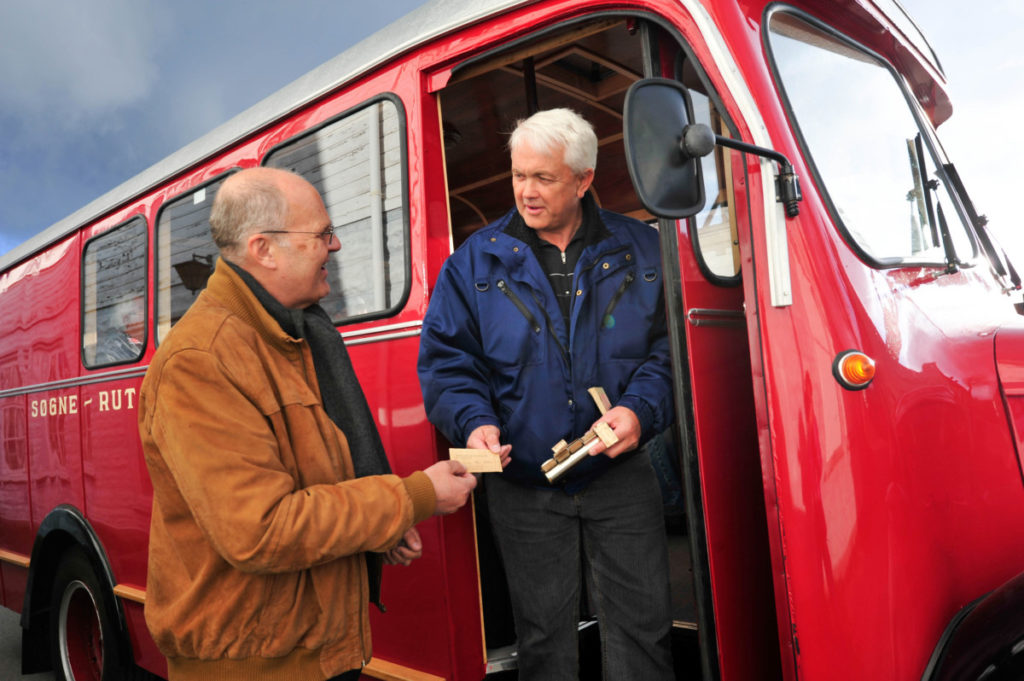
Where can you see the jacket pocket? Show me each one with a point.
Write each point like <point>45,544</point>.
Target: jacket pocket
<point>520,305</point>
<point>632,309</point>
<point>511,333</point>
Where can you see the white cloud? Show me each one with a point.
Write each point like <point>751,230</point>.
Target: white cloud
<point>985,72</point>
<point>93,91</point>
<point>75,61</point>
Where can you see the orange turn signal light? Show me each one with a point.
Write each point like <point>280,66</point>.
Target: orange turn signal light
<point>853,369</point>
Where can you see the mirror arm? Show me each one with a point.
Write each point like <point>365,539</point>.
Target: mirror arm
<point>787,184</point>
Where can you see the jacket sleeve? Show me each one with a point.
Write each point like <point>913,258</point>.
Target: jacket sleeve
<point>219,465</point>
<point>452,367</point>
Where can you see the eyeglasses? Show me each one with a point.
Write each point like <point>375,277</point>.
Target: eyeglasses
<point>327,235</point>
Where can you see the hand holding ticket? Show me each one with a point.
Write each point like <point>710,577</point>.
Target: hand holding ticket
<point>477,460</point>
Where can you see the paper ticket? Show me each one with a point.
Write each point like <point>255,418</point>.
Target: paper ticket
<point>477,460</point>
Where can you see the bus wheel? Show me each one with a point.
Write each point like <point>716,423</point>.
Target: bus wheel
<point>83,634</point>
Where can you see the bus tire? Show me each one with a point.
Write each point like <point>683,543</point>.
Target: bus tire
<point>83,624</point>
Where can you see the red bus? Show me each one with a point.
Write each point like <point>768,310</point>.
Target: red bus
<point>843,484</point>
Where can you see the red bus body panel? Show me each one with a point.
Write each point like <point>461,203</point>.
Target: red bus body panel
<point>845,529</point>
<point>896,505</point>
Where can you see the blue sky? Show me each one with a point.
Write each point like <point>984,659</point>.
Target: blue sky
<point>92,92</point>
<point>95,92</point>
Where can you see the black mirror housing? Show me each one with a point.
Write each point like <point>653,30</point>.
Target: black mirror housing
<point>665,170</point>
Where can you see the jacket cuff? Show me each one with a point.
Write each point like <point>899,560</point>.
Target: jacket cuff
<point>421,491</point>
<point>643,414</point>
<point>475,423</point>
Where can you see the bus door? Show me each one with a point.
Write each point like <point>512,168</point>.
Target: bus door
<point>709,461</point>
<point>867,483</point>
<point>726,528</point>
<point>878,480</point>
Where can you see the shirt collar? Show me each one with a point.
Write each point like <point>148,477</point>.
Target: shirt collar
<point>591,231</point>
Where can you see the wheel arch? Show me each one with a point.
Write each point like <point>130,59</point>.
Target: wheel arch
<point>64,528</point>
<point>988,632</point>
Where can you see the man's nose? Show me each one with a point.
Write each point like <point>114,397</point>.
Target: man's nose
<point>530,187</point>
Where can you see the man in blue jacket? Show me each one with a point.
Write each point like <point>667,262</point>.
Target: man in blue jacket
<point>556,297</point>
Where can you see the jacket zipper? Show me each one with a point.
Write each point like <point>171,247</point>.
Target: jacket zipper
<point>503,287</point>
<point>551,330</point>
<point>630,276</point>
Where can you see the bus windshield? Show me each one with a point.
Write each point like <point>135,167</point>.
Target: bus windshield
<point>866,148</point>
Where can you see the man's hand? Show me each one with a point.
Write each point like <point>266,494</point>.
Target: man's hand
<point>408,550</point>
<point>452,485</point>
<point>626,425</point>
<point>486,437</point>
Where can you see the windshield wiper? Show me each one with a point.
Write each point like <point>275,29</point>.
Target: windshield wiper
<point>980,222</point>
<point>930,188</point>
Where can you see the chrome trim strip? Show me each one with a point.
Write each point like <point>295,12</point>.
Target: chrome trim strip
<point>350,337</point>
<point>378,329</point>
<point>774,216</point>
<point>130,593</point>
<point>699,316</point>
<point>13,558</point>
<point>384,337</point>
<point>77,381</point>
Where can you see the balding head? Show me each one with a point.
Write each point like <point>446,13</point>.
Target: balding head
<point>250,201</point>
<point>272,223</point>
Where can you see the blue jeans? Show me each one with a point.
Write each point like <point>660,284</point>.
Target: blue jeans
<point>613,533</point>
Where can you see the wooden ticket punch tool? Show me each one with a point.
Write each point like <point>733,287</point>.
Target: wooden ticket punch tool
<point>568,454</point>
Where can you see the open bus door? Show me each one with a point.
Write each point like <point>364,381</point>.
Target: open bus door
<point>880,492</point>
<point>715,420</point>
<point>723,605</point>
<point>716,417</point>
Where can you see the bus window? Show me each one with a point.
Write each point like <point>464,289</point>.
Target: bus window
<point>714,228</point>
<point>357,164</point>
<point>865,148</point>
<point>114,296</point>
<point>185,253</point>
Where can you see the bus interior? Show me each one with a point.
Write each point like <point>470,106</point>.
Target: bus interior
<point>587,66</point>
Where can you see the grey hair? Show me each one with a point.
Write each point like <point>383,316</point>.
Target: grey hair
<point>243,207</point>
<point>552,129</point>
<point>121,310</point>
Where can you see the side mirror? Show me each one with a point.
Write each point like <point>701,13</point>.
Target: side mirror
<point>663,152</point>
<point>663,149</point>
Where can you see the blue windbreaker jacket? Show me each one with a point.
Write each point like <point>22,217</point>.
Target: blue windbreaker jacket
<point>494,347</point>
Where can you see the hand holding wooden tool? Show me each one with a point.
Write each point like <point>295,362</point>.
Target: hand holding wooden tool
<point>568,454</point>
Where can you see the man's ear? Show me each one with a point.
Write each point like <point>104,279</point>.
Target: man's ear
<point>586,179</point>
<point>259,250</point>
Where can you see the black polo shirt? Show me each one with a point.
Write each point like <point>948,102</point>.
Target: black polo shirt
<point>559,265</point>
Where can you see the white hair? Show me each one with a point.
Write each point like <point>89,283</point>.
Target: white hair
<point>552,129</point>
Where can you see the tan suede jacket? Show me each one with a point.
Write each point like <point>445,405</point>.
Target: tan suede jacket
<point>255,549</point>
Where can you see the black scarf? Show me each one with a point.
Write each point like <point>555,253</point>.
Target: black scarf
<point>342,396</point>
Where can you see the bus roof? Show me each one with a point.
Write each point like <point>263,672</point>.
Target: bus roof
<point>419,26</point>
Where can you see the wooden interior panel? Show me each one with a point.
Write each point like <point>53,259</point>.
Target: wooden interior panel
<point>587,68</point>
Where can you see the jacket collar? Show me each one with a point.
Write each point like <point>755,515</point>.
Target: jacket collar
<point>592,229</point>
<point>500,240</point>
<point>230,290</point>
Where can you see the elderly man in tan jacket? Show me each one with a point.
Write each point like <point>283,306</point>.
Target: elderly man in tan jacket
<point>273,503</point>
